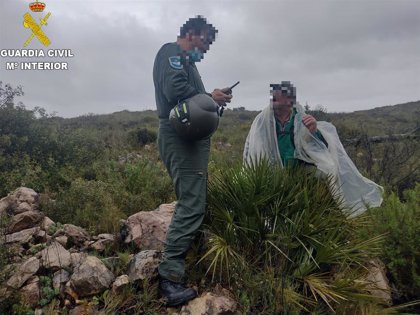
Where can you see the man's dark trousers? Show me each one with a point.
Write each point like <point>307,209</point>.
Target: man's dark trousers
<point>187,164</point>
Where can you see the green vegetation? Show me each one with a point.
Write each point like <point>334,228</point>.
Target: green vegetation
<point>399,222</point>
<point>280,245</point>
<point>279,239</point>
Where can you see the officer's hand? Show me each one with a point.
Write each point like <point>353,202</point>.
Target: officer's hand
<point>220,97</point>
<point>310,123</point>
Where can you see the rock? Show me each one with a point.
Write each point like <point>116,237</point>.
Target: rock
<point>77,259</point>
<point>23,273</point>
<point>24,221</point>
<point>120,283</point>
<point>91,277</point>
<point>144,265</point>
<point>76,235</point>
<point>46,224</point>
<point>59,278</point>
<point>210,304</point>
<point>378,282</point>
<point>147,229</point>
<point>55,257</point>
<point>40,236</point>
<point>30,293</point>
<point>39,311</point>
<point>62,239</point>
<point>101,244</point>
<point>106,236</point>
<point>84,310</point>
<point>21,200</point>
<point>23,237</point>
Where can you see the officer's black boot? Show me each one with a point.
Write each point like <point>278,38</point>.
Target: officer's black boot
<point>175,293</point>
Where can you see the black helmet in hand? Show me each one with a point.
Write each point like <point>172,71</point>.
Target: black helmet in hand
<point>195,118</point>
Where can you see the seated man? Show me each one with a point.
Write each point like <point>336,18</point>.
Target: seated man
<point>285,135</point>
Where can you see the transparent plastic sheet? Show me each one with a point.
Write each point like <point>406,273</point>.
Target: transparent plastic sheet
<point>355,192</point>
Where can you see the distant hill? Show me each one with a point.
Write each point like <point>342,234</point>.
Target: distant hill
<point>383,120</point>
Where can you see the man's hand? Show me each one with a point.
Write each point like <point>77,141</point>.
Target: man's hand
<point>220,98</point>
<point>310,123</point>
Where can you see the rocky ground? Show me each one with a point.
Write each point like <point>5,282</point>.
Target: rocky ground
<point>49,262</point>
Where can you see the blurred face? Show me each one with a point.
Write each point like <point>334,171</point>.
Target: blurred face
<point>201,42</point>
<point>281,102</point>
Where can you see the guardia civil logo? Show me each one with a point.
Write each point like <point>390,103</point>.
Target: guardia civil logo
<point>30,23</point>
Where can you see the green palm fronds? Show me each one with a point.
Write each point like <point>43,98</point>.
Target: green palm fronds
<point>285,228</point>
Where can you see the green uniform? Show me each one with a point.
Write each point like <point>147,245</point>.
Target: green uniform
<point>186,162</point>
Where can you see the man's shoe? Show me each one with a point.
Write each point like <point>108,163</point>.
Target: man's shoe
<point>175,293</point>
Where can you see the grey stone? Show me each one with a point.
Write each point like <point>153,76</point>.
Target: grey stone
<point>75,234</point>
<point>144,265</point>
<point>55,257</point>
<point>30,293</point>
<point>46,224</point>
<point>77,259</point>
<point>91,277</point>
<point>106,236</point>
<point>101,244</point>
<point>120,283</point>
<point>378,282</point>
<point>63,240</point>
<point>22,237</point>
<point>23,273</point>
<point>59,278</point>
<point>21,200</point>
<point>147,229</point>
<point>210,304</point>
<point>24,221</point>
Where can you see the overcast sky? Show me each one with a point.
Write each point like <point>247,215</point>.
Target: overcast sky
<point>344,55</point>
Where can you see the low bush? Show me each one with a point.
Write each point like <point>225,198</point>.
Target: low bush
<point>279,239</point>
<point>400,223</point>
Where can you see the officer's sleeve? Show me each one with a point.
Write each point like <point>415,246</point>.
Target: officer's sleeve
<point>175,84</point>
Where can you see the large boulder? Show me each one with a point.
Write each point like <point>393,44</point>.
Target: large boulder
<point>144,265</point>
<point>55,257</point>
<point>77,259</point>
<point>30,293</point>
<point>59,278</point>
<point>23,237</point>
<point>147,229</point>
<point>210,304</point>
<point>378,282</point>
<point>91,277</point>
<point>23,273</point>
<point>25,220</point>
<point>21,200</point>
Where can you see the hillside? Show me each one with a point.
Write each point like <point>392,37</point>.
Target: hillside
<point>384,120</point>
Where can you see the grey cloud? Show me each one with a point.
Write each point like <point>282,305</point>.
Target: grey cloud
<point>329,49</point>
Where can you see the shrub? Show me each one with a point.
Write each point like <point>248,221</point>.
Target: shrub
<point>147,185</point>
<point>280,240</point>
<point>400,222</point>
<point>88,204</point>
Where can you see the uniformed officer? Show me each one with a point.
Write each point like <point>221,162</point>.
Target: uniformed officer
<point>176,78</point>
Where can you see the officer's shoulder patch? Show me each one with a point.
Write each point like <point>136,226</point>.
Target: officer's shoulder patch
<point>175,62</point>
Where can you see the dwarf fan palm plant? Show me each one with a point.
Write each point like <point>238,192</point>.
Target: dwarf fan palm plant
<point>280,240</point>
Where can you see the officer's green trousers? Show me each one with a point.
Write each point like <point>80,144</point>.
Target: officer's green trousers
<point>187,164</point>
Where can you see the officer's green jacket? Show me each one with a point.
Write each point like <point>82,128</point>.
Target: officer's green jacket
<point>175,78</point>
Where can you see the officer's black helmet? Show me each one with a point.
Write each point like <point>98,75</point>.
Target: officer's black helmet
<point>195,118</point>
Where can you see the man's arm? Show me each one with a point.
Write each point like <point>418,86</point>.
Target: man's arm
<point>310,123</point>
<point>175,84</point>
